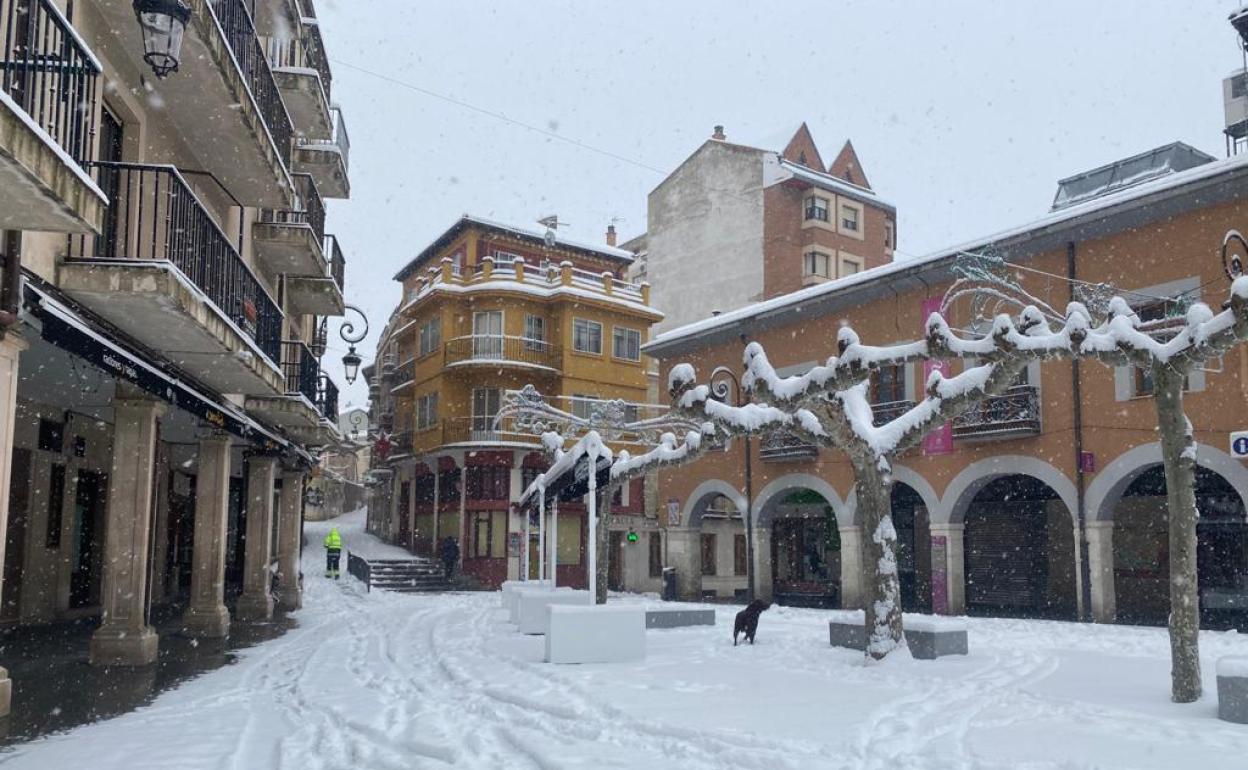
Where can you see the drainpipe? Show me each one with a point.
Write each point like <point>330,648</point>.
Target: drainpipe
<point>1085,569</point>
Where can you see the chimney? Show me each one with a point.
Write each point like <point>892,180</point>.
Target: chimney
<point>610,235</point>
<point>719,133</point>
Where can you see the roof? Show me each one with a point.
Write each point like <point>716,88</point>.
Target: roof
<point>833,184</point>
<point>538,236</point>
<point>1128,172</point>
<point>1169,195</point>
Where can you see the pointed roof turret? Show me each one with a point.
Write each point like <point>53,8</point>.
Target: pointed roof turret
<point>801,149</point>
<point>848,167</point>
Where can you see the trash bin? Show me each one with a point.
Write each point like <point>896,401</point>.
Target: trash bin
<point>669,584</point>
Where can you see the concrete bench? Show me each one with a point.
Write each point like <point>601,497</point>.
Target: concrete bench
<point>1233,689</point>
<point>928,637</point>
<point>595,634</point>
<point>531,607</point>
<point>511,589</point>
<point>679,618</point>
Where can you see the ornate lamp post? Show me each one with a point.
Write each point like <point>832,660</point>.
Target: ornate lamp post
<point>164,25</point>
<point>351,361</point>
<point>720,380</point>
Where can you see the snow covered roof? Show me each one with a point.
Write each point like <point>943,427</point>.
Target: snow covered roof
<point>1162,197</point>
<point>1128,172</point>
<point>522,231</point>
<point>831,183</point>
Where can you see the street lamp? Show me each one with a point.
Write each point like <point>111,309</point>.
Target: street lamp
<point>351,361</point>
<point>720,381</point>
<point>164,25</point>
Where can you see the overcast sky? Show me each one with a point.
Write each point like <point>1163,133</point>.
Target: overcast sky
<point>964,114</point>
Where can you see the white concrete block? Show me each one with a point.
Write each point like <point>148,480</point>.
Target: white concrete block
<point>531,607</point>
<point>513,593</point>
<point>595,634</point>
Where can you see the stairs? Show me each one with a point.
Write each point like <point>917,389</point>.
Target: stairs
<point>414,575</point>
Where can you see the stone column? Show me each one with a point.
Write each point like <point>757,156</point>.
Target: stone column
<point>11,347</point>
<point>124,637</point>
<point>851,568</point>
<point>953,565</point>
<point>762,564</point>
<point>1101,569</point>
<point>684,552</point>
<point>289,529</point>
<point>206,617</point>
<point>256,602</point>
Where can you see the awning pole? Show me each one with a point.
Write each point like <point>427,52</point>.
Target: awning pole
<point>593,525</point>
<point>554,542</point>
<point>541,533</point>
<point>524,553</point>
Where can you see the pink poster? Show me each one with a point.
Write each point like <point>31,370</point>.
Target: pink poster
<point>940,575</point>
<point>939,441</point>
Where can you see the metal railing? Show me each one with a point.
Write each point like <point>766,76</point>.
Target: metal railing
<point>489,348</point>
<point>1013,413</point>
<point>314,52</point>
<point>337,265</point>
<point>483,430</point>
<point>360,569</point>
<point>405,373</point>
<point>300,369</point>
<point>338,141</point>
<point>155,215</point>
<point>782,446</point>
<point>236,23</point>
<point>327,398</point>
<point>49,71</point>
<point>304,50</point>
<point>309,207</point>
<point>887,411</point>
<point>401,443</point>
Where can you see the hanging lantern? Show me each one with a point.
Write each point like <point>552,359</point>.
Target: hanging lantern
<point>351,365</point>
<point>164,25</point>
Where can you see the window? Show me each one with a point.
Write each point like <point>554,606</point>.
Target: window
<point>51,436</point>
<point>448,486</point>
<point>56,503</point>
<point>850,266</point>
<point>817,208</point>
<point>849,218</point>
<point>485,404</point>
<point>817,263</point>
<point>1239,86</point>
<point>430,337</point>
<point>489,482</point>
<point>427,411</point>
<point>488,534</point>
<point>528,476</point>
<point>626,344</point>
<point>424,489</point>
<point>505,258</point>
<point>487,334</point>
<point>656,554</point>
<point>708,555</point>
<point>583,405</point>
<point>587,336</point>
<point>740,556</point>
<point>535,332</point>
<point>890,234</point>
<point>889,384</point>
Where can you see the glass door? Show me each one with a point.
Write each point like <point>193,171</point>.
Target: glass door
<point>485,405</point>
<point>487,334</point>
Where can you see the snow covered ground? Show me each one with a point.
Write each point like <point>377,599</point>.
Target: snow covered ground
<point>405,681</point>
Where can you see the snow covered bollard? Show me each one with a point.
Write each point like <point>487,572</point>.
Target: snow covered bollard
<point>595,634</point>
<point>1233,689</point>
<point>531,617</point>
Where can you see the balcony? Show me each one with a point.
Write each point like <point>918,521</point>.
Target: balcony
<point>302,73</point>
<point>49,88</point>
<point>481,430</point>
<point>223,102</point>
<point>497,350</point>
<point>327,398</point>
<point>886,412</point>
<point>163,271</point>
<point>401,444</point>
<point>404,376</point>
<point>290,241</point>
<point>782,446</point>
<point>327,160</point>
<point>1012,414</point>
<point>296,412</point>
<point>319,293</point>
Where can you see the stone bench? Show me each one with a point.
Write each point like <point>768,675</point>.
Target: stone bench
<point>595,634</point>
<point>512,599</point>
<point>927,636</point>
<point>679,618</point>
<point>531,617</point>
<point>1233,689</point>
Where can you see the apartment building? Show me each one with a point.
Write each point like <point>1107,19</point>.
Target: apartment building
<point>996,513</point>
<point>769,221</point>
<point>490,307</point>
<point>164,168</point>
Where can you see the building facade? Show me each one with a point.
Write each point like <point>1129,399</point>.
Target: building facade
<point>489,308</point>
<point>168,280</point>
<point>1045,501</point>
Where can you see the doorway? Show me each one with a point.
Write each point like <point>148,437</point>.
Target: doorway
<point>615,562</point>
<point>87,539</point>
<point>15,538</point>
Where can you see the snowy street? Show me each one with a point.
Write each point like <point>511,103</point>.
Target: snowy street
<point>398,681</point>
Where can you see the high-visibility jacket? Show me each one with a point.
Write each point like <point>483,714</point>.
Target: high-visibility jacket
<point>333,541</point>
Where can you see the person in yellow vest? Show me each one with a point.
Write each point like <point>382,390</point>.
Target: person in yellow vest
<point>333,553</point>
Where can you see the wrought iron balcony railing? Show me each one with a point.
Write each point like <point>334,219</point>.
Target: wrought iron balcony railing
<point>327,398</point>
<point>235,21</point>
<point>782,446</point>
<point>49,72</point>
<point>489,348</point>
<point>404,374</point>
<point>401,443</point>
<point>309,207</point>
<point>888,411</point>
<point>300,369</point>
<point>482,430</point>
<point>1013,413</point>
<point>155,215</point>
<point>305,50</point>
<point>337,265</point>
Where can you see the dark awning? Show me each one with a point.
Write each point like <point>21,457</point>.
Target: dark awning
<point>573,484</point>
<point>73,333</point>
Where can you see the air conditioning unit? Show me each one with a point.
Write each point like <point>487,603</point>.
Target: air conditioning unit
<point>1235,99</point>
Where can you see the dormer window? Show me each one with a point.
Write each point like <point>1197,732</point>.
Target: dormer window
<point>817,208</point>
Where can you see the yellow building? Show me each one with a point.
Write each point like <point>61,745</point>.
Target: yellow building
<point>488,308</point>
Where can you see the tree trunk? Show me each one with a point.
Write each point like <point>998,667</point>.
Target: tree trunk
<point>873,482</point>
<point>604,544</point>
<point>1178,453</point>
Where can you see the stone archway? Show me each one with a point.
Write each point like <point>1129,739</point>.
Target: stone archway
<point>807,549</point>
<point>708,547</point>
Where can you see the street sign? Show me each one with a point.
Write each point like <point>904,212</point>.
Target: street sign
<point>1239,444</point>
